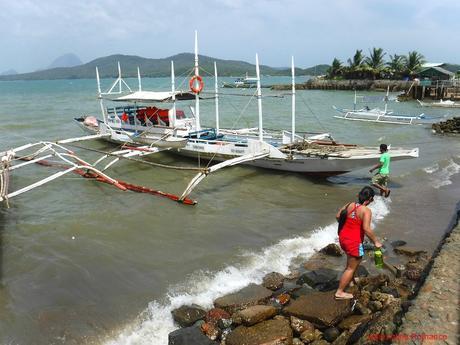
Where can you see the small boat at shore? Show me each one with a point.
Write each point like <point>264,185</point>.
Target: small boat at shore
<point>440,104</point>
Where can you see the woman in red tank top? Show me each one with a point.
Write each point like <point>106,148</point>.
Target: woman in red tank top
<point>351,236</point>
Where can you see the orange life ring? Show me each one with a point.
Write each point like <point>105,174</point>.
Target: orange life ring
<point>196,88</point>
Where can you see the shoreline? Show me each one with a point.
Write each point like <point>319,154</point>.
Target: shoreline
<point>299,308</point>
<point>349,84</point>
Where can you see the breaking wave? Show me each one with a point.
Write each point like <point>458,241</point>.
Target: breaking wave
<point>440,176</point>
<point>156,322</point>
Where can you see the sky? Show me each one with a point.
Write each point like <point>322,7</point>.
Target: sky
<point>35,32</point>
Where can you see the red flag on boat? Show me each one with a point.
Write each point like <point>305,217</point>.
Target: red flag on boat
<point>124,117</point>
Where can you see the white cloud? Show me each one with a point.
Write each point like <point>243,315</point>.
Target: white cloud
<point>315,32</point>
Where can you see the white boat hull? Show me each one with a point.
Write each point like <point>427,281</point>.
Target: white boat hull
<point>355,158</point>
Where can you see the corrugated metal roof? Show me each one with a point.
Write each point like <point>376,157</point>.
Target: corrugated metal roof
<point>432,64</point>
<point>439,69</point>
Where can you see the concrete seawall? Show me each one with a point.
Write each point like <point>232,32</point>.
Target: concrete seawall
<point>433,317</point>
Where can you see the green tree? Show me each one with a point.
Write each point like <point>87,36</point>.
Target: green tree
<point>396,66</point>
<point>413,63</point>
<point>356,65</point>
<point>336,68</point>
<point>358,59</point>
<point>375,61</point>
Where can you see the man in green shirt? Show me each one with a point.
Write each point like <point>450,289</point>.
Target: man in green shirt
<point>380,180</point>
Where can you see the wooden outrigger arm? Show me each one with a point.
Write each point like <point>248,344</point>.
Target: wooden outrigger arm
<point>230,162</point>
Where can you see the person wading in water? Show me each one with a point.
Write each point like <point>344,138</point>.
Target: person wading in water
<point>354,221</point>
<point>380,180</point>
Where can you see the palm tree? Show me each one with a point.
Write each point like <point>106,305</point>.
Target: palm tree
<point>356,65</point>
<point>358,59</point>
<point>413,63</point>
<point>396,65</point>
<point>336,69</point>
<point>375,61</point>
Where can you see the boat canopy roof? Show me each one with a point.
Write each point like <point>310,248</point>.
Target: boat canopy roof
<point>154,96</point>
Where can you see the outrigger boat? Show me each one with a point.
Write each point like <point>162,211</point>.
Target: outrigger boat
<point>378,115</point>
<point>440,104</point>
<point>310,153</point>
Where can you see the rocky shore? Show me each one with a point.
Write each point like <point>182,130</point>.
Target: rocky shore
<point>300,308</point>
<point>451,126</point>
<point>329,84</point>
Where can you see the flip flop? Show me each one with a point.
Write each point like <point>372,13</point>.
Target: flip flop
<point>338,298</point>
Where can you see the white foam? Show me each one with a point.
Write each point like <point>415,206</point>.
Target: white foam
<point>432,169</point>
<point>442,177</point>
<point>203,288</point>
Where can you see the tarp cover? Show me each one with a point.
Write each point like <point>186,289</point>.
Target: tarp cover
<point>153,96</point>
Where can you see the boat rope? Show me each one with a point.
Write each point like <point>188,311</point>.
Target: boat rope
<point>313,113</point>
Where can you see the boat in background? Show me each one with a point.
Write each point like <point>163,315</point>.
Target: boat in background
<point>243,83</point>
<point>440,104</point>
<point>378,115</point>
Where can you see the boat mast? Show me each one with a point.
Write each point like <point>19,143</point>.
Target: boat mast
<point>173,91</point>
<point>197,97</point>
<point>216,88</point>
<point>259,99</point>
<point>293,101</point>
<point>99,95</point>
<point>119,77</point>
<point>139,78</point>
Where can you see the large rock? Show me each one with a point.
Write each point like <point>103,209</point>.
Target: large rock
<point>273,281</point>
<point>255,314</point>
<point>189,336</point>
<point>250,295</point>
<point>303,291</point>
<point>322,279</point>
<point>186,316</point>
<point>352,321</point>
<point>320,308</point>
<point>299,326</point>
<point>409,251</point>
<point>331,249</point>
<point>271,332</point>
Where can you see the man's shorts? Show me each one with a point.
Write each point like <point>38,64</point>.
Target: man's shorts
<point>380,179</point>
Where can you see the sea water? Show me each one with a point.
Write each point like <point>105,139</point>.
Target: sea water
<point>82,262</point>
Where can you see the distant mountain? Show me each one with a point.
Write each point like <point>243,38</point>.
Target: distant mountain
<point>66,60</point>
<point>452,67</point>
<point>317,70</point>
<point>183,63</point>
<point>9,72</point>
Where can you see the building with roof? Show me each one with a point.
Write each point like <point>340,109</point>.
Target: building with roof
<point>435,73</point>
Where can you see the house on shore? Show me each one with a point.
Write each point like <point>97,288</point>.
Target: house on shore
<point>434,81</point>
